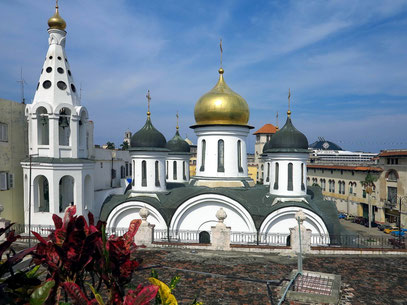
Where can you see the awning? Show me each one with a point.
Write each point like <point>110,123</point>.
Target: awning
<point>392,212</point>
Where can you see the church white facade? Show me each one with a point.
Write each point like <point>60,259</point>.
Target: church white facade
<point>62,172</point>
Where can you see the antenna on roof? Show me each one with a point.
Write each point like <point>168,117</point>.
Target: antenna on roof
<point>22,82</point>
<point>80,92</point>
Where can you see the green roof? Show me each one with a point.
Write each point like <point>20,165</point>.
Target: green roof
<point>58,160</point>
<point>178,144</point>
<point>288,139</point>
<point>256,200</point>
<point>148,138</point>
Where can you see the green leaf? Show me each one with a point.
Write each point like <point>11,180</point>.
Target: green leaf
<point>98,297</point>
<point>40,295</point>
<point>32,273</point>
<point>174,282</point>
<point>154,273</point>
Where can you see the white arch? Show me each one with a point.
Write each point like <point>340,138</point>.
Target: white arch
<point>79,110</point>
<point>37,105</point>
<point>281,220</point>
<point>65,105</point>
<point>198,213</point>
<point>123,214</point>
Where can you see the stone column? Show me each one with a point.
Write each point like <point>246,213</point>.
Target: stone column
<point>53,121</point>
<point>74,137</point>
<point>145,233</point>
<point>220,239</point>
<point>305,235</point>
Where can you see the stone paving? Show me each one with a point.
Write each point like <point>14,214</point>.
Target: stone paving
<point>365,280</point>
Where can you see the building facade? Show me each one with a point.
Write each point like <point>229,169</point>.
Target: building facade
<point>13,149</point>
<point>342,184</point>
<point>263,135</point>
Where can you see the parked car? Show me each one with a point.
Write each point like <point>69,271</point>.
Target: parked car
<point>342,215</point>
<point>358,220</point>
<point>383,226</point>
<point>391,229</point>
<point>350,217</point>
<point>397,243</point>
<point>373,224</point>
<point>398,233</point>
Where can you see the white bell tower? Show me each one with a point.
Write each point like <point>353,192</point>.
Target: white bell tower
<point>58,171</point>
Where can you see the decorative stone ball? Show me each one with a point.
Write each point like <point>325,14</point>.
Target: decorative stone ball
<point>301,215</point>
<point>221,215</point>
<point>144,213</point>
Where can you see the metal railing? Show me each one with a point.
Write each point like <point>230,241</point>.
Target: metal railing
<point>243,238</point>
<point>353,241</point>
<point>274,239</point>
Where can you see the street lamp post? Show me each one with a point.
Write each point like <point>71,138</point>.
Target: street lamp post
<point>29,204</point>
<point>400,220</point>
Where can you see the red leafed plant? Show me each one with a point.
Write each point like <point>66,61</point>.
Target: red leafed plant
<point>76,252</point>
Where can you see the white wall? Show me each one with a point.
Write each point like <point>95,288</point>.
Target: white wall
<point>230,135</point>
<point>179,159</point>
<point>283,159</point>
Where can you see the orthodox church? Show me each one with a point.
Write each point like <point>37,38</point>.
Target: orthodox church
<point>160,180</point>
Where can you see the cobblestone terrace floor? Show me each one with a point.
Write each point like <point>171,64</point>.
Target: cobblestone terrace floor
<point>368,280</point>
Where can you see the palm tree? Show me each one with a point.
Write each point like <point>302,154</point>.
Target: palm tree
<point>124,145</point>
<point>368,185</point>
<point>110,145</point>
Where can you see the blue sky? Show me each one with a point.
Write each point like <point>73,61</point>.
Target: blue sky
<point>345,62</point>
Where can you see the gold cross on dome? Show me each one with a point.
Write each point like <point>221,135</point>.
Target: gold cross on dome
<point>56,3</point>
<point>177,120</point>
<point>148,96</point>
<point>221,52</point>
<point>289,102</point>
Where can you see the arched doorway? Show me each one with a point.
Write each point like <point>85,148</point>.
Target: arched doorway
<point>204,237</point>
<point>66,185</point>
<point>41,194</point>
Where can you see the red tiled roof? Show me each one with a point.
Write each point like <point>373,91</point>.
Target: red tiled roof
<point>268,128</point>
<point>346,167</point>
<point>390,153</point>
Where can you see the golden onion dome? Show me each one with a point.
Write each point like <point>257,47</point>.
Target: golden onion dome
<point>56,21</point>
<point>221,106</point>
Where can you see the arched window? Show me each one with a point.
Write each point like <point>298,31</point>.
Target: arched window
<point>302,177</point>
<point>333,186</point>
<point>144,173</point>
<point>157,173</point>
<point>239,156</point>
<point>276,176</point>
<point>166,171</point>
<point>82,130</point>
<point>290,177</point>
<point>221,156</point>
<point>392,176</point>
<point>268,172</point>
<point>184,174</point>
<point>203,156</point>
<point>350,188</point>
<point>64,127</point>
<point>122,172</point>
<point>42,126</point>
<point>174,170</point>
